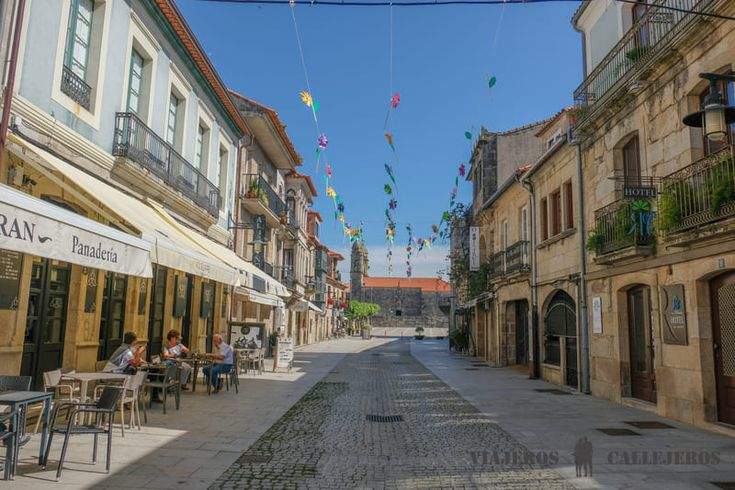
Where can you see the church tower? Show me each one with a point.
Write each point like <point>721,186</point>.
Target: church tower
<point>358,268</point>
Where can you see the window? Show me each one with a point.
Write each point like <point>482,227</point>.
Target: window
<point>222,173</point>
<point>568,205</point>
<point>728,92</point>
<point>555,212</point>
<point>201,148</point>
<point>544,212</point>
<point>632,162</point>
<point>172,121</point>
<point>135,82</point>
<point>523,224</point>
<point>79,34</point>
<point>504,235</point>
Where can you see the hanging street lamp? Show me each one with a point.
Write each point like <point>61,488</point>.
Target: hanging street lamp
<point>716,116</point>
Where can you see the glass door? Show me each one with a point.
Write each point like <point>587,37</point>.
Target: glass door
<point>112,320</point>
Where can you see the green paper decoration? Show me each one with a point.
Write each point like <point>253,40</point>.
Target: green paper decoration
<point>491,82</point>
<point>468,135</point>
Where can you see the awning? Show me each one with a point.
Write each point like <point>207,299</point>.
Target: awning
<point>31,225</point>
<point>304,305</point>
<point>250,275</point>
<point>260,298</point>
<point>167,248</point>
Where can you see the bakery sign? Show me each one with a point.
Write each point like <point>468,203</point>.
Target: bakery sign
<point>76,240</point>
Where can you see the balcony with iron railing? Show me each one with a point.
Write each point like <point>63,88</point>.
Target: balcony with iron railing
<point>623,230</point>
<point>137,142</point>
<point>75,87</point>
<point>260,198</point>
<point>640,47</point>
<point>518,257</point>
<point>496,265</point>
<point>698,195</point>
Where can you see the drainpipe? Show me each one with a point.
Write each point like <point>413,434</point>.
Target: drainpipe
<point>10,80</point>
<point>582,284</point>
<point>534,366</point>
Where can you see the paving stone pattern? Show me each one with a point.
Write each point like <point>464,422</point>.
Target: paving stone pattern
<point>326,440</point>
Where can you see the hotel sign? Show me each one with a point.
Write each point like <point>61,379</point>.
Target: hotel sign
<point>28,232</point>
<point>674,314</point>
<point>639,191</point>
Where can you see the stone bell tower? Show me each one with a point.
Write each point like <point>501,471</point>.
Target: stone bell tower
<point>358,268</point>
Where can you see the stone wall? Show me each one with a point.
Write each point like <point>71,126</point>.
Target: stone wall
<point>434,326</point>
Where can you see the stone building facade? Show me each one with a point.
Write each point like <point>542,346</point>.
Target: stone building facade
<point>405,302</point>
<point>659,208</point>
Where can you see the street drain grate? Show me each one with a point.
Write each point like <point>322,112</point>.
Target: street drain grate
<point>650,424</point>
<point>480,364</point>
<point>724,485</point>
<point>304,470</point>
<point>618,432</point>
<point>552,391</point>
<point>384,418</point>
<point>334,383</point>
<point>254,458</point>
<point>471,369</point>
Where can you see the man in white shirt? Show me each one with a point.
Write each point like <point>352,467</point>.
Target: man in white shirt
<point>224,361</point>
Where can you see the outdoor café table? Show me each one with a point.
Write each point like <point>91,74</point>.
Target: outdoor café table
<point>19,400</point>
<point>196,363</point>
<point>85,378</point>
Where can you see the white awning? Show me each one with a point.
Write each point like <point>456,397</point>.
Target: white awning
<point>168,249</point>
<point>249,273</point>
<point>260,298</point>
<point>31,225</point>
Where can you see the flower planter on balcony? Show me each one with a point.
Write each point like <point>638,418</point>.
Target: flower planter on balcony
<point>623,231</point>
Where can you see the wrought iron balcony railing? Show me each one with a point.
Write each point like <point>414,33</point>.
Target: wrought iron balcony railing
<point>285,274</point>
<point>496,265</point>
<point>254,186</point>
<point>75,87</point>
<point>138,142</point>
<point>701,193</point>
<point>622,224</point>
<point>644,40</point>
<point>517,257</point>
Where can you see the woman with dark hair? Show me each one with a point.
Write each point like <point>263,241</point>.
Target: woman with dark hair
<point>127,357</point>
<point>174,349</point>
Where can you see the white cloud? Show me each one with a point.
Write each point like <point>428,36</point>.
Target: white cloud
<point>427,263</point>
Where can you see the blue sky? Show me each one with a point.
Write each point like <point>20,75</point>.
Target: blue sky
<point>442,59</point>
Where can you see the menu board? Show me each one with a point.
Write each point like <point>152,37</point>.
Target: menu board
<point>142,296</point>
<point>180,286</point>
<point>10,269</point>
<point>284,354</point>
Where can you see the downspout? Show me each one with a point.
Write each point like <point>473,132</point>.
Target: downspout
<point>534,366</point>
<point>236,217</point>
<point>582,284</point>
<point>10,80</point>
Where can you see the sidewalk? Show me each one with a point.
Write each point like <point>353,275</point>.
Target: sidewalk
<point>191,447</point>
<point>547,422</point>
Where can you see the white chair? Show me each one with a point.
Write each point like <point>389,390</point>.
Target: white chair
<point>63,392</point>
<point>131,391</point>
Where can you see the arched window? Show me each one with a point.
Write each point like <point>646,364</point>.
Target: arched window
<point>560,321</point>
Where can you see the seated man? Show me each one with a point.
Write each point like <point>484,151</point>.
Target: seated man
<point>224,361</point>
<point>127,357</point>
<point>173,350</point>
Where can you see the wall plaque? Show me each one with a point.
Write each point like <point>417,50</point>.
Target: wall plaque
<point>90,294</point>
<point>179,296</point>
<point>674,316</point>
<point>10,269</point>
<point>142,296</point>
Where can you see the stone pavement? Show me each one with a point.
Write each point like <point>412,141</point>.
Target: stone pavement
<point>382,420</point>
<point>545,423</point>
<point>192,447</point>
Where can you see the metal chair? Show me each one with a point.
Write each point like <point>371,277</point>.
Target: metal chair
<point>233,375</point>
<point>17,433</point>
<point>64,392</point>
<point>103,408</point>
<point>7,433</point>
<point>165,381</point>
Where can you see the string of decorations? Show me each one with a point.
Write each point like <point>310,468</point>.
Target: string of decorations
<point>353,233</point>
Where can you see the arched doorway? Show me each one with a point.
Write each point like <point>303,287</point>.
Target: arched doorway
<point>561,335</point>
<point>722,291</point>
<point>640,336</point>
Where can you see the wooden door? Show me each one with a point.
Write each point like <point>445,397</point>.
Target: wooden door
<point>642,376</point>
<point>112,320</point>
<point>571,373</point>
<point>481,333</point>
<point>43,347</point>
<point>722,291</point>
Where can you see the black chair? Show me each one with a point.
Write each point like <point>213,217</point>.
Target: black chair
<point>231,376</point>
<point>164,382</point>
<point>16,434</point>
<point>104,414</point>
<point>7,434</point>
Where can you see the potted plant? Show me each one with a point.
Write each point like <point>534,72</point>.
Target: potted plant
<point>419,333</point>
<point>253,190</point>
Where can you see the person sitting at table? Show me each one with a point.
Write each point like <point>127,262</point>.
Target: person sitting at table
<point>174,349</point>
<point>127,357</point>
<point>223,364</point>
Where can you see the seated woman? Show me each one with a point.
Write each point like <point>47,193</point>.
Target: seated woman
<point>173,350</point>
<point>127,357</point>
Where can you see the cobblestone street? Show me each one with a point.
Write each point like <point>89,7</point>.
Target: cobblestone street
<point>380,419</point>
